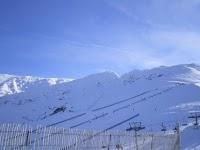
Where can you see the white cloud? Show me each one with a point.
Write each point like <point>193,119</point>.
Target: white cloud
<point>176,47</point>
<point>181,40</point>
<point>119,59</point>
<point>160,13</point>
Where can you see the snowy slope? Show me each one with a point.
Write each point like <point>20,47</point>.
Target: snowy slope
<point>10,84</point>
<point>164,94</point>
<point>190,138</point>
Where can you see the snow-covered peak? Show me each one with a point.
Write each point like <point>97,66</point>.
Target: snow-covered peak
<point>167,72</point>
<point>4,77</point>
<point>12,84</point>
<point>104,76</point>
<point>192,76</point>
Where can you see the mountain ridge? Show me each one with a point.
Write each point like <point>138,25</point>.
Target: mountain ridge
<point>102,95</point>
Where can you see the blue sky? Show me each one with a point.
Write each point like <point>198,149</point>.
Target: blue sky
<point>74,38</point>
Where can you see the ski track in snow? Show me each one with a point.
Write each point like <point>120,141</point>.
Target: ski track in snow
<point>98,100</point>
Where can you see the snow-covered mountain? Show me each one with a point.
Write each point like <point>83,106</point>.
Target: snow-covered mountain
<point>11,84</point>
<point>164,94</point>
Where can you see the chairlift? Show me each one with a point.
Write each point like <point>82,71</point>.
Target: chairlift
<point>137,126</point>
<point>184,124</point>
<point>129,129</point>
<point>176,128</point>
<point>195,116</point>
<point>164,128</point>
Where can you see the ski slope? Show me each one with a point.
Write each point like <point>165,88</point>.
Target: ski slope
<point>163,94</point>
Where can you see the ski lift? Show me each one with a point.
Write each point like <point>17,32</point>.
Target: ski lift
<point>175,128</point>
<point>184,124</point>
<point>137,126</point>
<point>164,128</point>
<point>195,116</point>
<point>130,128</point>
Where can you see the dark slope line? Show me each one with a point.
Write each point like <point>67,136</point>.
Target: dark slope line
<point>119,102</point>
<point>89,121</point>
<point>143,99</point>
<point>122,107</point>
<point>68,119</point>
<point>100,116</point>
<point>84,122</point>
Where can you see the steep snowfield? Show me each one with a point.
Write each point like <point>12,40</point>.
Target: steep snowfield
<point>164,94</point>
<point>190,137</point>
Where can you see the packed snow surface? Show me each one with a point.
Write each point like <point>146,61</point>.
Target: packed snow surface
<point>161,95</point>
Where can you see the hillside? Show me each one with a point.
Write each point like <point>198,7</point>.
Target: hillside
<point>164,94</point>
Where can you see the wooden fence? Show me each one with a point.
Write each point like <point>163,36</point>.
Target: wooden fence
<point>23,137</point>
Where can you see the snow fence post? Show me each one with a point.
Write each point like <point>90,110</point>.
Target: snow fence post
<point>136,140</point>
<point>27,138</point>
<point>179,136</point>
<point>178,140</point>
<point>152,141</point>
<point>109,142</point>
